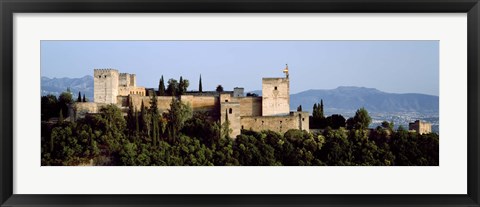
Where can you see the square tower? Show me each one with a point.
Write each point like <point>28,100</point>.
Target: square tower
<point>105,86</point>
<point>275,96</point>
<point>133,80</point>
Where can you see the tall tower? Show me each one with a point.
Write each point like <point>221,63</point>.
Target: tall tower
<point>276,95</point>
<point>105,86</point>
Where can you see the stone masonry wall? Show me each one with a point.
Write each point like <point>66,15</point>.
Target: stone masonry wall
<point>250,106</point>
<point>80,109</point>
<point>232,111</point>
<point>198,103</point>
<point>275,96</point>
<point>281,124</point>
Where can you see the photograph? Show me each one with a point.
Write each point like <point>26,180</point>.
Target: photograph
<point>239,102</point>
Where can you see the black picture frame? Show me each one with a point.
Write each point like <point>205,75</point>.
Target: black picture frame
<point>9,7</point>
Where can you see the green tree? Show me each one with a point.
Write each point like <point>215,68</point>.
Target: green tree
<point>177,115</point>
<point>79,99</point>
<point>60,117</point>
<point>361,119</point>
<point>172,87</point>
<point>154,119</point>
<point>182,86</point>
<point>200,85</point>
<point>161,87</point>
<point>225,133</point>
<point>137,124</point>
<point>388,125</point>
<point>318,110</point>
<point>318,118</point>
<point>321,112</point>
<point>49,107</point>
<point>219,88</point>
<point>144,120</point>
<point>299,108</point>
<point>335,121</point>
<point>84,99</point>
<point>64,100</point>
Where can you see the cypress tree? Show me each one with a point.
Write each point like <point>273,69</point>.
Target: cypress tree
<point>51,143</point>
<point>181,86</point>
<point>161,87</point>
<point>84,99</point>
<point>130,119</point>
<point>79,99</point>
<point>154,112</point>
<point>142,116</point>
<point>60,117</point>
<point>154,130</point>
<point>200,84</point>
<point>137,124</point>
<point>226,125</point>
<point>322,115</point>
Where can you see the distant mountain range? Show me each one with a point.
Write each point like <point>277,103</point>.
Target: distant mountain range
<point>338,100</point>
<point>352,98</point>
<point>56,86</point>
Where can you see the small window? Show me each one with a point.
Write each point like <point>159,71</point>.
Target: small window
<point>262,122</point>
<point>242,127</point>
<point>226,100</point>
<point>230,110</point>
<point>280,122</point>
<point>275,87</point>
<point>105,76</point>
<point>303,119</point>
<point>99,76</point>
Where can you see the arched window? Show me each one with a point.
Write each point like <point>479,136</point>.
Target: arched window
<point>230,110</point>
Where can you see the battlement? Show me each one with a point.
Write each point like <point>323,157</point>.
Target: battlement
<point>273,79</point>
<point>102,70</point>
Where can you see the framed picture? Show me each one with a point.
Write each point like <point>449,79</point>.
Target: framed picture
<point>239,103</point>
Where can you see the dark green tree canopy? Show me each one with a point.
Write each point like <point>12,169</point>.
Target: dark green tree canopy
<point>361,119</point>
<point>172,87</point>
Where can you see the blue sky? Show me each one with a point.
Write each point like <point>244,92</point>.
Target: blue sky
<point>391,66</point>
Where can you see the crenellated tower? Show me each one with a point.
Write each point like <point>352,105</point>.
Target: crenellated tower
<point>276,95</point>
<point>105,86</point>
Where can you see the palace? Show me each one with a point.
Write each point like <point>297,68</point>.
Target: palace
<point>271,111</point>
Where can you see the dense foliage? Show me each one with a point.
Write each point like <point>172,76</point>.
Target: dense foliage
<point>180,137</point>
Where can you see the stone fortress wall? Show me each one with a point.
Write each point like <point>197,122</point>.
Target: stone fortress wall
<point>268,112</point>
<point>281,124</point>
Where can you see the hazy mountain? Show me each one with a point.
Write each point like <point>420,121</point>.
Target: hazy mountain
<point>56,86</point>
<point>258,92</point>
<point>352,98</point>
